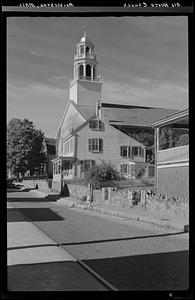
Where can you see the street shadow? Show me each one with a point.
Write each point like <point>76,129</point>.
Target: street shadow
<point>32,214</point>
<point>44,199</point>
<point>148,272</point>
<point>19,189</point>
<point>14,216</point>
<point>53,197</point>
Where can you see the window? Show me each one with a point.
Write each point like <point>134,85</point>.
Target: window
<point>96,125</point>
<point>125,151</point>
<point>94,72</point>
<point>88,70</point>
<point>71,145</point>
<point>124,168</point>
<point>137,151</point>
<point>95,145</point>
<point>81,70</point>
<point>68,147</point>
<point>87,50</point>
<point>82,50</point>
<point>86,165</point>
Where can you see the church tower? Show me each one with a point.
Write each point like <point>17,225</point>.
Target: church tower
<point>85,88</point>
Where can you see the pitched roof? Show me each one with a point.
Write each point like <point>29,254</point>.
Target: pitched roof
<point>181,117</point>
<point>86,110</point>
<point>133,115</point>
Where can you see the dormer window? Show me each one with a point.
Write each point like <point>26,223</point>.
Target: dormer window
<point>96,125</point>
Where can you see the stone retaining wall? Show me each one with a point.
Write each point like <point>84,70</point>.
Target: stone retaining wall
<point>125,198</point>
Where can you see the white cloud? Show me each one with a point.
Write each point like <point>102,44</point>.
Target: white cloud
<point>35,53</point>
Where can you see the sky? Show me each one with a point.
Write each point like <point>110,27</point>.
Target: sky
<point>142,61</point>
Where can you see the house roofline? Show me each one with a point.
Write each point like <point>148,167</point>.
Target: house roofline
<point>176,116</point>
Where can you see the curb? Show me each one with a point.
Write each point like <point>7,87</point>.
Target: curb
<point>144,219</point>
<point>161,223</point>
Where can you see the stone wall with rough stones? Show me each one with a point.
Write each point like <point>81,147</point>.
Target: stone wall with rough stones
<point>123,198</point>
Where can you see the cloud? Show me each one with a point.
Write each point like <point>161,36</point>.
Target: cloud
<point>35,53</point>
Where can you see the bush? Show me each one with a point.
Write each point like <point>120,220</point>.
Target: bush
<point>101,173</point>
<point>139,170</point>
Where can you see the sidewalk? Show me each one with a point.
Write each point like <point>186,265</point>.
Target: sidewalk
<point>37,263</point>
<point>156,218</point>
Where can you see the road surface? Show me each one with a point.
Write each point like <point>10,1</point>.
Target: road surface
<point>128,254</point>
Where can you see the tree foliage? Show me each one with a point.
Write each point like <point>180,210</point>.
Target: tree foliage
<point>183,140</point>
<point>139,170</point>
<point>100,173</point>
<point>172,137</point>
<point>24,146</point>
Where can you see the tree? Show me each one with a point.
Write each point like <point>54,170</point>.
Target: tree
<point>183,140</point>
<point>100,173</point>
<point>172,137</point>
<point>24,146</point>
<point>139,170</point>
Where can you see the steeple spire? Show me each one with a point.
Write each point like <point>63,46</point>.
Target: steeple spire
<point>85,88</point>
<point>85,64</point>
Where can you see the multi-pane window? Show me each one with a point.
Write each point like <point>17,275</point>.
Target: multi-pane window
<point>57,167</point>
<point>71,145</point>
<point>68,147</point>
<point>124,168</point>
<point>86,165</point>
<point>96,125</point>
<point>137,151</point>
<point>127,151</point>
<point>95,145</point>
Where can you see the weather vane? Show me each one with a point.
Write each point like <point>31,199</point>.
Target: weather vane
<point>84,27</point>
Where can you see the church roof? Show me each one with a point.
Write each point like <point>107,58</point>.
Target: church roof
<point>120,114</point>
<point>133,115</point>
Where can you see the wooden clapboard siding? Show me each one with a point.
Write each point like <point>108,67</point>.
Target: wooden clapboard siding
<point>112,140</point>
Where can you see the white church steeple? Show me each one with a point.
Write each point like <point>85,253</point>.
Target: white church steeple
<point>85,88</point>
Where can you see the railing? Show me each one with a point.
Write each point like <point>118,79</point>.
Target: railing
<point>89,78</point>
<point>173,154</point>
<point>85,55</point>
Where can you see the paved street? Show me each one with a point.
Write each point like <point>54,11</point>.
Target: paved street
<point>128,254</point>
